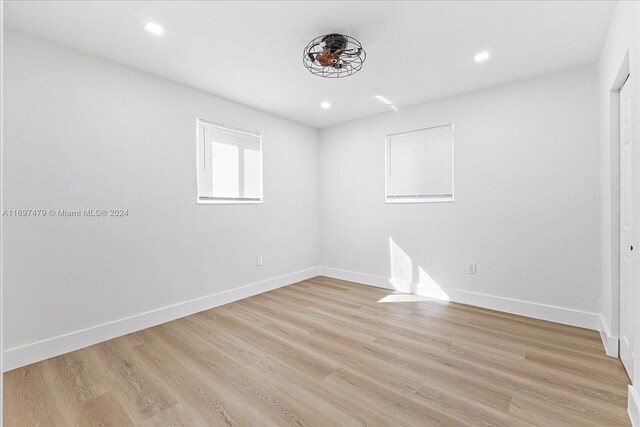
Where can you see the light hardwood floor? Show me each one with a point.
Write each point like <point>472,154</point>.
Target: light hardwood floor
<point>327,352</point>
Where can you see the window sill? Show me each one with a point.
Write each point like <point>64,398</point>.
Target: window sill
<point>229,202</point>
<point>418,200</point>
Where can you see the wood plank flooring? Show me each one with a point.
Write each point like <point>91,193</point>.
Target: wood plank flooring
<point>325,352</point>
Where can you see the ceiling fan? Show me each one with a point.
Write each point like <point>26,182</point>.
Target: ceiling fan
<point>334,56</point>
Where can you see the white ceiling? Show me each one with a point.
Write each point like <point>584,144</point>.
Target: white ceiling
<point>251,52</point>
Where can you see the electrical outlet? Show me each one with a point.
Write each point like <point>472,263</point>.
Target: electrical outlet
<point>472,269</point>
<point>259,260</point>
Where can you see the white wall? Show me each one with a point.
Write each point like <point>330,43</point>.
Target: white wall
<point>623,40</point>
<point>81,132</point>
<point>526,190</point>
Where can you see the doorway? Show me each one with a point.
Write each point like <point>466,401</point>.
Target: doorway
<point>628,211</point>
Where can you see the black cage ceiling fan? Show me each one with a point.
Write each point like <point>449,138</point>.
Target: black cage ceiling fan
<point>334,56</point>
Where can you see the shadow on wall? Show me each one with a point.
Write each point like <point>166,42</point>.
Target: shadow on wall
<point>410,287</point>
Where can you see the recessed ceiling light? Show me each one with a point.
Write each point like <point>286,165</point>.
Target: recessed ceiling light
<point>325,105</point>
<point>154,28</point>
<point>482,56</point>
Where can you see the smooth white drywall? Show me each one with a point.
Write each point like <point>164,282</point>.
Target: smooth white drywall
<point>526,204</point>
<point>82,132</point>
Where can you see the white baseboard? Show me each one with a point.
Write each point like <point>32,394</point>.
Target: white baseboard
<point>633,408</point>
<point>610,342</point>
<point>41,350</point>
<point>352,276</point>
<point>551,313</point>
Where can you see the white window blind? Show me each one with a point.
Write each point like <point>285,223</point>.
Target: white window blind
<point>420,165</point>
<point>229,165</point>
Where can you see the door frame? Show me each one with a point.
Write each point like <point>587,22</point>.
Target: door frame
<point>633,265</point>
<point>611,337</point>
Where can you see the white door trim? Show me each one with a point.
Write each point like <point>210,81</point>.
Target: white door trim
<point>628,229</point>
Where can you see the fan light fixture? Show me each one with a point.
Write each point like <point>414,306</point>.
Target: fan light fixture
<point>334,56</point>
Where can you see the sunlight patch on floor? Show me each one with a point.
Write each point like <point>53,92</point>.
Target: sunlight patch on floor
<point>404,298</point>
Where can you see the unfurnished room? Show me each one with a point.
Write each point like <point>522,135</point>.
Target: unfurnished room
<point>320,213</point>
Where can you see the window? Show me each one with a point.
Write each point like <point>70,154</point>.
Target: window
<point>229,165</point>
<point>420,166</point>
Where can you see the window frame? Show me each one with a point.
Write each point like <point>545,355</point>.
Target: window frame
<point>393,200</point>
<point>226,201</point>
